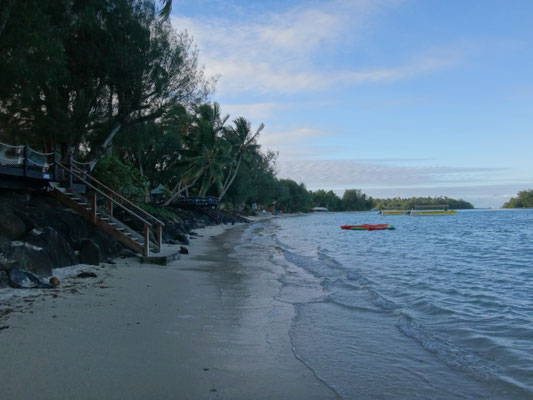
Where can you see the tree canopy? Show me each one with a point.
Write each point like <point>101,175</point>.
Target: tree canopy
<point>524,199</point>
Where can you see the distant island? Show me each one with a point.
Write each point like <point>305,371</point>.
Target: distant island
<point>524,199</point>
<point>356,200</point>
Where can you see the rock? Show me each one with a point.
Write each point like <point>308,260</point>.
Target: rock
<point>56,248</point>
<point>89,252</point>
<point>21,279</point>
<point>184,250</point>
<point>4,281</point>
<point>6,263</point>
<point>109,246</point>
<point>180,237</point>
<point>11,226</point>
<point>54,281</point>
<point>86,275</point>
<point>29,257</point>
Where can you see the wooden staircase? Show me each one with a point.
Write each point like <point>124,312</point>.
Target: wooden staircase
<point>98,206</point>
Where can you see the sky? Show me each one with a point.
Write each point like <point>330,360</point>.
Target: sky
<point>394,97</point>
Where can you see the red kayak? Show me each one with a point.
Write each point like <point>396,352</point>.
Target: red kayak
<point>367,227</point>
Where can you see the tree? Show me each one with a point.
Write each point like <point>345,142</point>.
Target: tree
<point>242,142</point>
<point>330,200</point>
<point>356,200</point>
<point>291,196</point>
<point>166,8</point>
<point>524,199</point>
<point>94,70</point>
<point>206,152</point>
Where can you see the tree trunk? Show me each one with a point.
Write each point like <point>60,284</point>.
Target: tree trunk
<point>5,10</point>
<point>179,190</point>
<point>226,187</point>
<point>100,150</point>
<point>147,197</point>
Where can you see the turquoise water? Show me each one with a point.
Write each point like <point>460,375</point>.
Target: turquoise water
<point>440,308</point>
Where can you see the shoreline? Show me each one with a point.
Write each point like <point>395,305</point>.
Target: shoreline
<point>202,327</point>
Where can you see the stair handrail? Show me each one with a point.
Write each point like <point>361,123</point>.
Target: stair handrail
<point>105,195</point>
<point>135,206</point>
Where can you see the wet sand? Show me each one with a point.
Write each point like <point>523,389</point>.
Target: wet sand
<point>201,328</point>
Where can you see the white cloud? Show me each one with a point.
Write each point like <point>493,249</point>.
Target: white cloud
<point>278,52</point>
<point>338,174</point>
<point>295,143</point>
<point>253,112</point>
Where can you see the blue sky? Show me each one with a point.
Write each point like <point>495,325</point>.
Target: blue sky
<point>395,97</point>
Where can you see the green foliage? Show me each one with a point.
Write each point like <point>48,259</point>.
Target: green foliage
<point>524,199</point>
<point>158,212</point>
<point>330,200</point>
<point>120,177</point>
<point>72,72</point>
<point>410,203</point>
<point>291,196</point>
<point>356,200</point>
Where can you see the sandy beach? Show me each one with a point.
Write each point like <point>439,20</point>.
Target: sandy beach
<point>203,327</point>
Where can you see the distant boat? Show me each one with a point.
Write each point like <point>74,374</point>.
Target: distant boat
<point>393,212</point>
<point>436,209</point>
<point>319,209</point>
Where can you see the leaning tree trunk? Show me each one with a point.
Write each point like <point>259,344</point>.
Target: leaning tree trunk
<point>228,184</point>
<point>179,190</point>
<point>5,11</point>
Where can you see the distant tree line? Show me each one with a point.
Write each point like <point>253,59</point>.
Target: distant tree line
<point>410,203</point>
<point>356,200</point>
<point>524,199</point>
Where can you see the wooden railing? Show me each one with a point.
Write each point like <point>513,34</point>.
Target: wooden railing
<point>197,201</point>
<point>75,172</point>
<point>115,195</point>
<point>26,162</point>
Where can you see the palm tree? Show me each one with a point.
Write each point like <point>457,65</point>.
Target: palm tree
<point>166,9</point>
<point>242,142</point>
<point>206,153</point>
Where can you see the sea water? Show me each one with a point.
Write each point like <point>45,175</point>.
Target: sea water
<point>440,308</point>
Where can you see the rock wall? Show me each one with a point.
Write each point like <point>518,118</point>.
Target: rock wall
<point>38,233</point>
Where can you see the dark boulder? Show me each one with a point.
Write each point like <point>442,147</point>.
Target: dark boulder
<point>180,237</point>
<point>5,262</point>
<point>4,281</point>
<point>109,246</point>
<point>29,257</point>
<point>184,250</point>
<point>56,248</point>
<point>89,252</point>
<point>11,226</point>
<point>21,279</point>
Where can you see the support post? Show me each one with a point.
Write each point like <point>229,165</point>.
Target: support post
<point>159,236</point>
<point>26,154</point>
<point>56,170</point>
<point>110,203</point>
<point>70,171</point>
<point>92,195</point>
<point>146,240</point>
